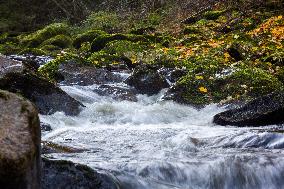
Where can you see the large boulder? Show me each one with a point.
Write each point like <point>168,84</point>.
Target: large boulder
<point>147,80</point>
<point>266,110</point>
<point>48,98</point>
<point>73,73</point>
<point>20,143</point>
<point>61,174</point>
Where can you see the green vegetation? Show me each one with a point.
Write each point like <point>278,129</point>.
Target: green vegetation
<point>229,53</point>
<point>38,37</point>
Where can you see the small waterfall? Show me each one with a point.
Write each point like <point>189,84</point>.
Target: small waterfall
<point>155,144</point>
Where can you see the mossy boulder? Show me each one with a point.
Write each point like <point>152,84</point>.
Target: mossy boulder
<point>36,38</point>
<point>61,41</point>
<point>100,42</point>
<point>87,37</point>
<point>239,83</point>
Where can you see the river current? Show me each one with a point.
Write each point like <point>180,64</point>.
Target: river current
<point>155,144</point>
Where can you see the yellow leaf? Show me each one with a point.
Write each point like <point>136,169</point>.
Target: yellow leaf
<point>203,89</point>
<point>199,77</point>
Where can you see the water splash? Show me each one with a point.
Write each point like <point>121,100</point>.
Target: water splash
<point>154,144</point>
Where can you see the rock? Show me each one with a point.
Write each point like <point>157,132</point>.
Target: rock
<point>20,143</point>
<point>266,110</point>
<point>172,75</point>
<point>45,127</point>
<point>147,80</point>
<point>77,74</point>
<point>48,98</point>
<point>117,93</point>
<point>176,93</point>
<point>62,174</point>
<point>50,147</point>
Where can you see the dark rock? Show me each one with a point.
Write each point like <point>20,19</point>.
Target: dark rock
<point>20,143</point>
<point>60,174</point>
<point>29,61</point>
<point>172,75</point>
<point>45,127</point>
<point>176,93</point>
<point>76,74</point>
<point>147,80</point>
<point>235,53</point>
<point>15,77</point>
<point>117,93</point>
<point>266,110</point>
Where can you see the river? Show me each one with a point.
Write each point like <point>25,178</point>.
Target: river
<point>155,144</point>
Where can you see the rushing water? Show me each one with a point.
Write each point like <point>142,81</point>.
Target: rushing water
<point>154,144</point>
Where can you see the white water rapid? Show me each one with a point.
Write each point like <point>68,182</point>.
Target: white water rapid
<point>154,144</point>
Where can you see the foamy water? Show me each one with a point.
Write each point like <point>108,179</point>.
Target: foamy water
<point>154,144</point>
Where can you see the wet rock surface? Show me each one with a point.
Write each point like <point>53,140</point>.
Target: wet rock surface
<point>117,93</point>
<point>62,174</point>
<point>147,80</point>
<point>45,127</point>
<point>73,73</point>
<point>50,147</point>
<point>48,98</point>
<point>266,110</point>
<point>172,75</point>
<point>20,143</point>
<point>176,94</point>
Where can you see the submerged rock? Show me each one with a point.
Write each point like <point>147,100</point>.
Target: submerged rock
<point>117,93</point>
<point>266,110</point>
<point>20,143</point>
<point>48,98</point>
<point>147,80</point>
<point>77,74</point>
<point>62,174</point>
<point>50,147</point>
<point>45,127</point>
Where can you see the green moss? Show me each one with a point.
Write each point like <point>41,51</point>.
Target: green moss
<point>100,42</point>
<point>103,59</point>
<point>33,51</point>
<point>36,38</point>
<point>50,70</point>
<point>10,48</point>
<point>209,83</point>
<point>50,48</point>
<point>4,95</point>
<point>212,15</point>
<point>191,30</point>
<point>105,21</point>
<point>189,39</point>
<point>87,37</point>
<point>143,30</point>
<point>251,82</point>
<point>61,41</point>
